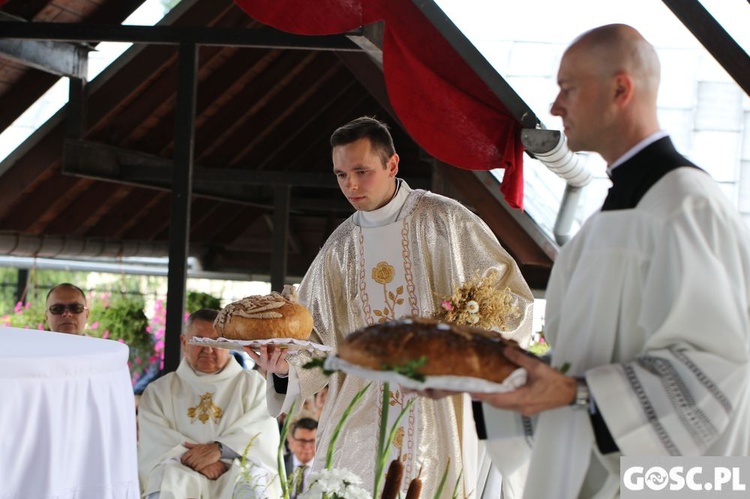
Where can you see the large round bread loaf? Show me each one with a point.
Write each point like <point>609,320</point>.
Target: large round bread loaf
<point>448,349</point>
<point>262,317</point>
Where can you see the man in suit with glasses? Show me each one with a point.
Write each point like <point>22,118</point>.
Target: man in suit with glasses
<point>301,455</point>
<point>67,310</point>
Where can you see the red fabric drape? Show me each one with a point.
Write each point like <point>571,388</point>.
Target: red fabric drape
<point>444,105</point>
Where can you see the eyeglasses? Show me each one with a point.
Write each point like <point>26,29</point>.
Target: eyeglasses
<point>305,441</point>
<point>73,308</point>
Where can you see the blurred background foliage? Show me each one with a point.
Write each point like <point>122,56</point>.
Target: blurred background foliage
<point>124,308</point>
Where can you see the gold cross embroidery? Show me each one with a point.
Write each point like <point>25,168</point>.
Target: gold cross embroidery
<point>205,409</point>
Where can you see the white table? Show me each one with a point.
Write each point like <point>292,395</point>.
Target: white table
<point>67,417</point>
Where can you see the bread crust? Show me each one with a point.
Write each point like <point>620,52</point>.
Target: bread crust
<point>449,349</point>
<point>263,317</point>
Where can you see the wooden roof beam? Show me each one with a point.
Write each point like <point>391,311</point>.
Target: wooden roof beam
<point>714,38</point>
<point>89,159</point>
<point>265,38</point>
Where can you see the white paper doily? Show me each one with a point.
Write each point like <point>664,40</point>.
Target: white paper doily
<point>453,383</point>
<point>288,343</point>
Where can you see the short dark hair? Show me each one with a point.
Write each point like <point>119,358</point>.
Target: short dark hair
<point>204,314</point>
<point>366,127</point>
<point>66,285</point>
<point>304,424</point>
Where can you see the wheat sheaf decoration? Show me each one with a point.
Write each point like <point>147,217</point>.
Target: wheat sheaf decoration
<point>479,302</point>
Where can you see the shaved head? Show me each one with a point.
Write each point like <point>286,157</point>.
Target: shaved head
<point>619,48</point>
<point>609,80</point>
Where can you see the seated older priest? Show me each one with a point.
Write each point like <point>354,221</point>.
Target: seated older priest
<point>195,421</point>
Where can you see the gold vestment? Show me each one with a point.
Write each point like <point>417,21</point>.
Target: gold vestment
<point>364,275</point>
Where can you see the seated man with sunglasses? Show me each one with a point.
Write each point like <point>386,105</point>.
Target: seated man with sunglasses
<point>66,309</point>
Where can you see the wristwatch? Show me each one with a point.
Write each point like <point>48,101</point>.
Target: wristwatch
<point>583,395</point>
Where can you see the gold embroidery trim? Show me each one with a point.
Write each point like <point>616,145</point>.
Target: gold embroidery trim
<point>363,296</point>
<point>205,410</point>
<point>406,253</point>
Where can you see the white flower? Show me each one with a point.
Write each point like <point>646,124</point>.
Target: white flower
<point>472,307</point>
<point>335,483</point>
<point>473,318</point>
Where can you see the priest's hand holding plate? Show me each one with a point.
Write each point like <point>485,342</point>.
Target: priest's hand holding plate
<point>274,317</point>
<point>270,358</point>
<point>546,387</point>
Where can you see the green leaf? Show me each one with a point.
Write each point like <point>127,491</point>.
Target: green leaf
<point>318,363</point>
<point>281,467</point>
<point>458,482</point>
<point>410,369</point>
<point>439,491</point>
<point>340,425</point>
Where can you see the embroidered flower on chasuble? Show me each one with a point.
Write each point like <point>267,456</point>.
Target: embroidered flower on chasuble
<point>398,440</point>
<point>397,398</point>
<point>205,410</point>
<point>383,273</point>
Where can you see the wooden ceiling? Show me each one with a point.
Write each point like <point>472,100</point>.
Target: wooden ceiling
<point>99,182</point>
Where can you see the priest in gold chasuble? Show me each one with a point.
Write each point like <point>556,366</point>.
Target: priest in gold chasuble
<point>396,256</point>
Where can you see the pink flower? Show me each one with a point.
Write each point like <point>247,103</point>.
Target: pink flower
<point>18,307</point>
<point>447,305</point>
<point>105,335</point>
<point>94,325</point>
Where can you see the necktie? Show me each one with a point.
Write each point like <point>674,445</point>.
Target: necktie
<point>300,479</point>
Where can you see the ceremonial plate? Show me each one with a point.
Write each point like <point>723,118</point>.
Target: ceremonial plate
<point>289,344</point>
<point>452,383</point>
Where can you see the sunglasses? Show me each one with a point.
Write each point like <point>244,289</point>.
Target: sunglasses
<point>73,308</point>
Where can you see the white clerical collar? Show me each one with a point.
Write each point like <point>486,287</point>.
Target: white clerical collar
<point>388,213</point>
<point>636,149</point>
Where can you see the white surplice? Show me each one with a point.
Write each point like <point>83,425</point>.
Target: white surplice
<point>651,305</point>
<point>396,261</point>
<point>227,407</point>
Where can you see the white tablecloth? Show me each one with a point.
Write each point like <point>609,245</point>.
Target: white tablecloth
<point>67,417</point>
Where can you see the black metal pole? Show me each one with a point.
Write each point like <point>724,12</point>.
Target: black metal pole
<point>280,236</point>
<point>75,120</point>
<point>179,226</point>
<point>21,283</point>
